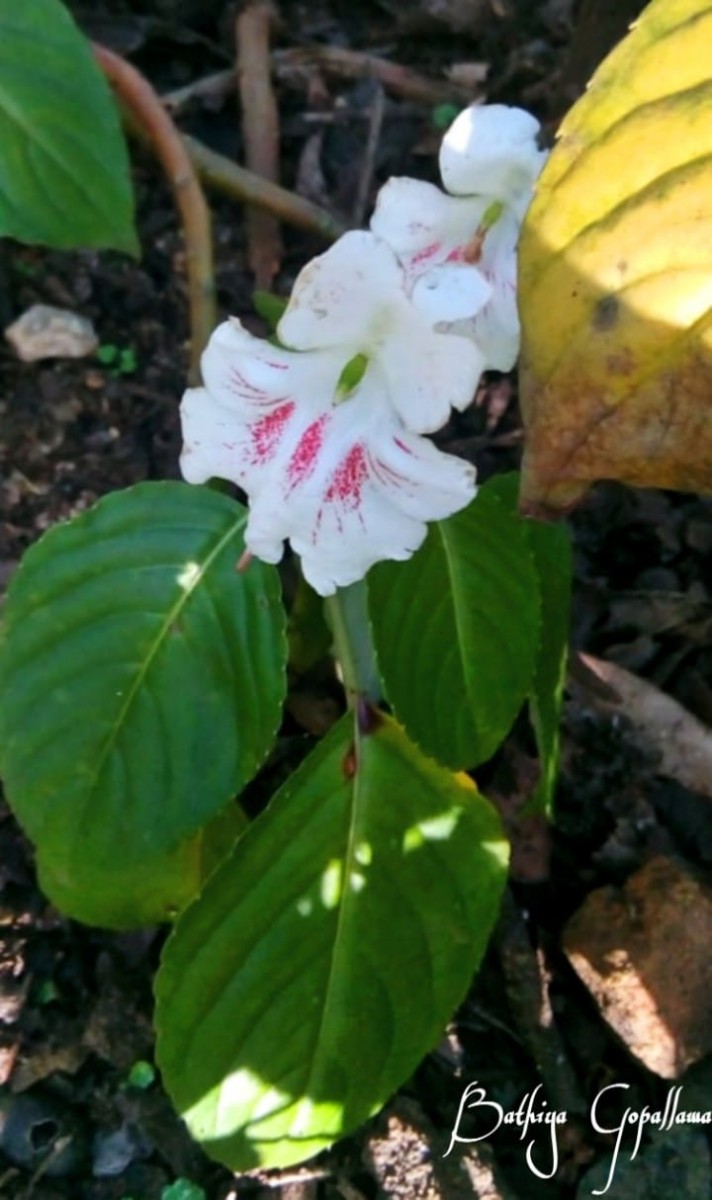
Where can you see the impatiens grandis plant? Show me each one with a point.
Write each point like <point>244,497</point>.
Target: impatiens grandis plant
<point>318,951</point>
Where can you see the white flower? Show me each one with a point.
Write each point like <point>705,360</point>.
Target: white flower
<point>489,161</point>
<point>339,476</point>
<point>353,299</point>
<point>492,150</point>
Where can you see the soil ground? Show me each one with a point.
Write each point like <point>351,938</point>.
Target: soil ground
<point>75,1003</point>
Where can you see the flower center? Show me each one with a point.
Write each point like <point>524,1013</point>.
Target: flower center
<point>472,252</point>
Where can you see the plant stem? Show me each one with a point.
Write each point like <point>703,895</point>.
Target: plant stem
<point>148,114</point>
<point>347,614</point>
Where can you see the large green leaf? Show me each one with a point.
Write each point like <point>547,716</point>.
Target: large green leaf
<point>456,631</point>
<point>550,546</point>
<point>615,273</point>
<point>325,957</point>
<point>141,679</point>
<point>122,895</point>
<point>64,176</point>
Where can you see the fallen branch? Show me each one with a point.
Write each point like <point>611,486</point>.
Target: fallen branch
<point>150,117</point>
<point>661,725</point>
<point>209,87</point>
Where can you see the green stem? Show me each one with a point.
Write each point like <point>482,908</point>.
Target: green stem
<point>347,614</point>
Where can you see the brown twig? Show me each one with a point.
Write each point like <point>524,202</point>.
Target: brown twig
<point>260,132</point>
<point>226,176</point>
<point>675,738</point>
<point>144,106</point>
<point>352,64</point>
<point>210,87</point>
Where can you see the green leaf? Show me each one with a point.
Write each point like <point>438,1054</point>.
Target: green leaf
<point>550,546</point>
<point>269,306</point>
<point>183,1189</point>
<point>64,176</point>
<point>155,889</point>
<point>456,630</point>
<point>141,682</point>
<point>324,959</point>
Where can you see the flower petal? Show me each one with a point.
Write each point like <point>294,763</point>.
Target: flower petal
<point>491,150</point>
<point>433,234</point>
<point>251,376</point>
<point>422,224</point>
<point>429,484</point>
<point>427,373</point>
<point>353,298</point>
<point>214,439</point>
<point>338,298</point>
<point>258,402</point>
<point>451,291</point>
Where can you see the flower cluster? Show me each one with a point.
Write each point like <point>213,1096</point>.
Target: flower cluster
<point>383,335</point>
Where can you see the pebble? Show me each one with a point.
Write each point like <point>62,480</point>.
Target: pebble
<point>643,952</point>
<point>113,1152</point>
<point>47,332</point>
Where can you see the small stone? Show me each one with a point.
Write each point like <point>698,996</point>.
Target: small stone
<point>643,953</point>
<point>410,1160</point>
<point>114,1152</point>
<point>46,332</point>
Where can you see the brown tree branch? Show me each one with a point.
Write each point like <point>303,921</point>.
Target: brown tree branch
<point>145,108</point>
<point>228,177</point>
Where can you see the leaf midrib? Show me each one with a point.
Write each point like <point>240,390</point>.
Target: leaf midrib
<point>458,606</point>
<point>356,805</point>
<point>172,616</point>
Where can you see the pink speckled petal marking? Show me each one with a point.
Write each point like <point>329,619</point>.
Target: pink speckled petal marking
<point>255,405</point>
<point>365,496</point>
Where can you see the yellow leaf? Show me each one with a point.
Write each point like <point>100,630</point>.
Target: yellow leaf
<point>616,274</point>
